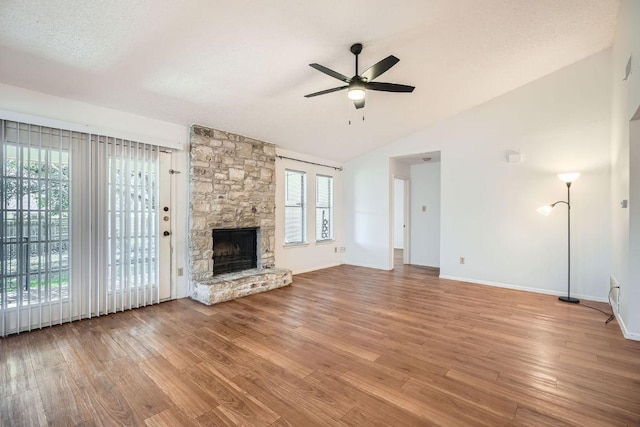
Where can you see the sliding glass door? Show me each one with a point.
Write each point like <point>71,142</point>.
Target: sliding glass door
<point>80,229</point>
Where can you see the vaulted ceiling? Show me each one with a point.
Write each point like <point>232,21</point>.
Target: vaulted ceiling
<point>242,65</point>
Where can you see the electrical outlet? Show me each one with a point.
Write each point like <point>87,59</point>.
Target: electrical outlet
<point>461,260</point>
<point>180,272</point>
<point>335,249</point>
<point>424,208</point>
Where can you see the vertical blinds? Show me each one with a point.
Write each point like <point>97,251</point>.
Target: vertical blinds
<point>324,207</point>
<point>35,245</point>
<point>79,226</point>
<point>295,207</point>
<point>126,215</point>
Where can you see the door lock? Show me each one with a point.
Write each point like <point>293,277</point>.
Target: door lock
<point>166,233</point>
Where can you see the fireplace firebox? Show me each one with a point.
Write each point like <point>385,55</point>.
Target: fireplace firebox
<point>234,249</point>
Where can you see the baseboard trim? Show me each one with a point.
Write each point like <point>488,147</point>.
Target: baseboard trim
<point>623,327</point>
<point>375,267</point>
<point>522,288</point>
<point>321,267</point>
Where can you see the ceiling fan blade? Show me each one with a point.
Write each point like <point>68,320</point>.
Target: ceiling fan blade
<point>322,92</point>
<point>359,103</point>
<point>330,72</point>
<point>379,68</point>
<point>389,87</point>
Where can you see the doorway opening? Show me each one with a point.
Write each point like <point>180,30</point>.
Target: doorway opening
<point>401,211</point>
<point>416,211</point>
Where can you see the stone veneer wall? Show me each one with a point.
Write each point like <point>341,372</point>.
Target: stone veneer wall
<point>232,185</point>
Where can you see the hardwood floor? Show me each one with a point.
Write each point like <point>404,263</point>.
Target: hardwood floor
<point>341,346</point>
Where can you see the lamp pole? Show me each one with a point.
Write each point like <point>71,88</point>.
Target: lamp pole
<point>567,178</point>
<point>568,298</point>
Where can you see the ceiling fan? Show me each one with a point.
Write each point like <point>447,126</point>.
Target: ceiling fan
<point>357,84</point>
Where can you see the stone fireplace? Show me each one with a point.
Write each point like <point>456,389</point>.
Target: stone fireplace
<point>232,188</point>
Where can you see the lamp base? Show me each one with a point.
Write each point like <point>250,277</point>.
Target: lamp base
<point>569,299</point>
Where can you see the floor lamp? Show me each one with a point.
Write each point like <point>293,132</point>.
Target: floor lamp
<point>567,178</point>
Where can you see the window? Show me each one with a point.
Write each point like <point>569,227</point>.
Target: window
<point>294,207</point>
<point>324,208</point>
<point>35,224</point>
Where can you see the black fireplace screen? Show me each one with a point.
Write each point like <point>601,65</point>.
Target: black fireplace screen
<point>234,249</point>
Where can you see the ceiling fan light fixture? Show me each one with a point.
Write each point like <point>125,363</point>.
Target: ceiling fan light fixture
<point>356,94</point>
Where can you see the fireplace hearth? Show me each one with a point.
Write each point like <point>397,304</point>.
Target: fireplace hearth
<point>234,249</point>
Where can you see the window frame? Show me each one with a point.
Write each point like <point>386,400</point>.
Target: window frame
<point>302,205</point>
<point>330,208</point>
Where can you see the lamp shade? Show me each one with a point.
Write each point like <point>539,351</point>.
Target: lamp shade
<point>569,176</point>
<point>545,210</point>
<point>356,94</point>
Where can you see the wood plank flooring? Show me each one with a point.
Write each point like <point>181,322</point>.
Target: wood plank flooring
<point>342,346</point>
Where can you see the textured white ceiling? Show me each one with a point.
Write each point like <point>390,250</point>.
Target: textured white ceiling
<point>242,65</point>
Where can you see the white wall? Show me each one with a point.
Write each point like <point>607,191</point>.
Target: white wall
<point>425,226</point>
<point>83,117</point>
<point>38,108</point>
<point>625,170</point>
<point>488,206</point>
<point>398,216</point>
<point>367,211</point>
<point>631,292</point>
<point>312,255</point>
